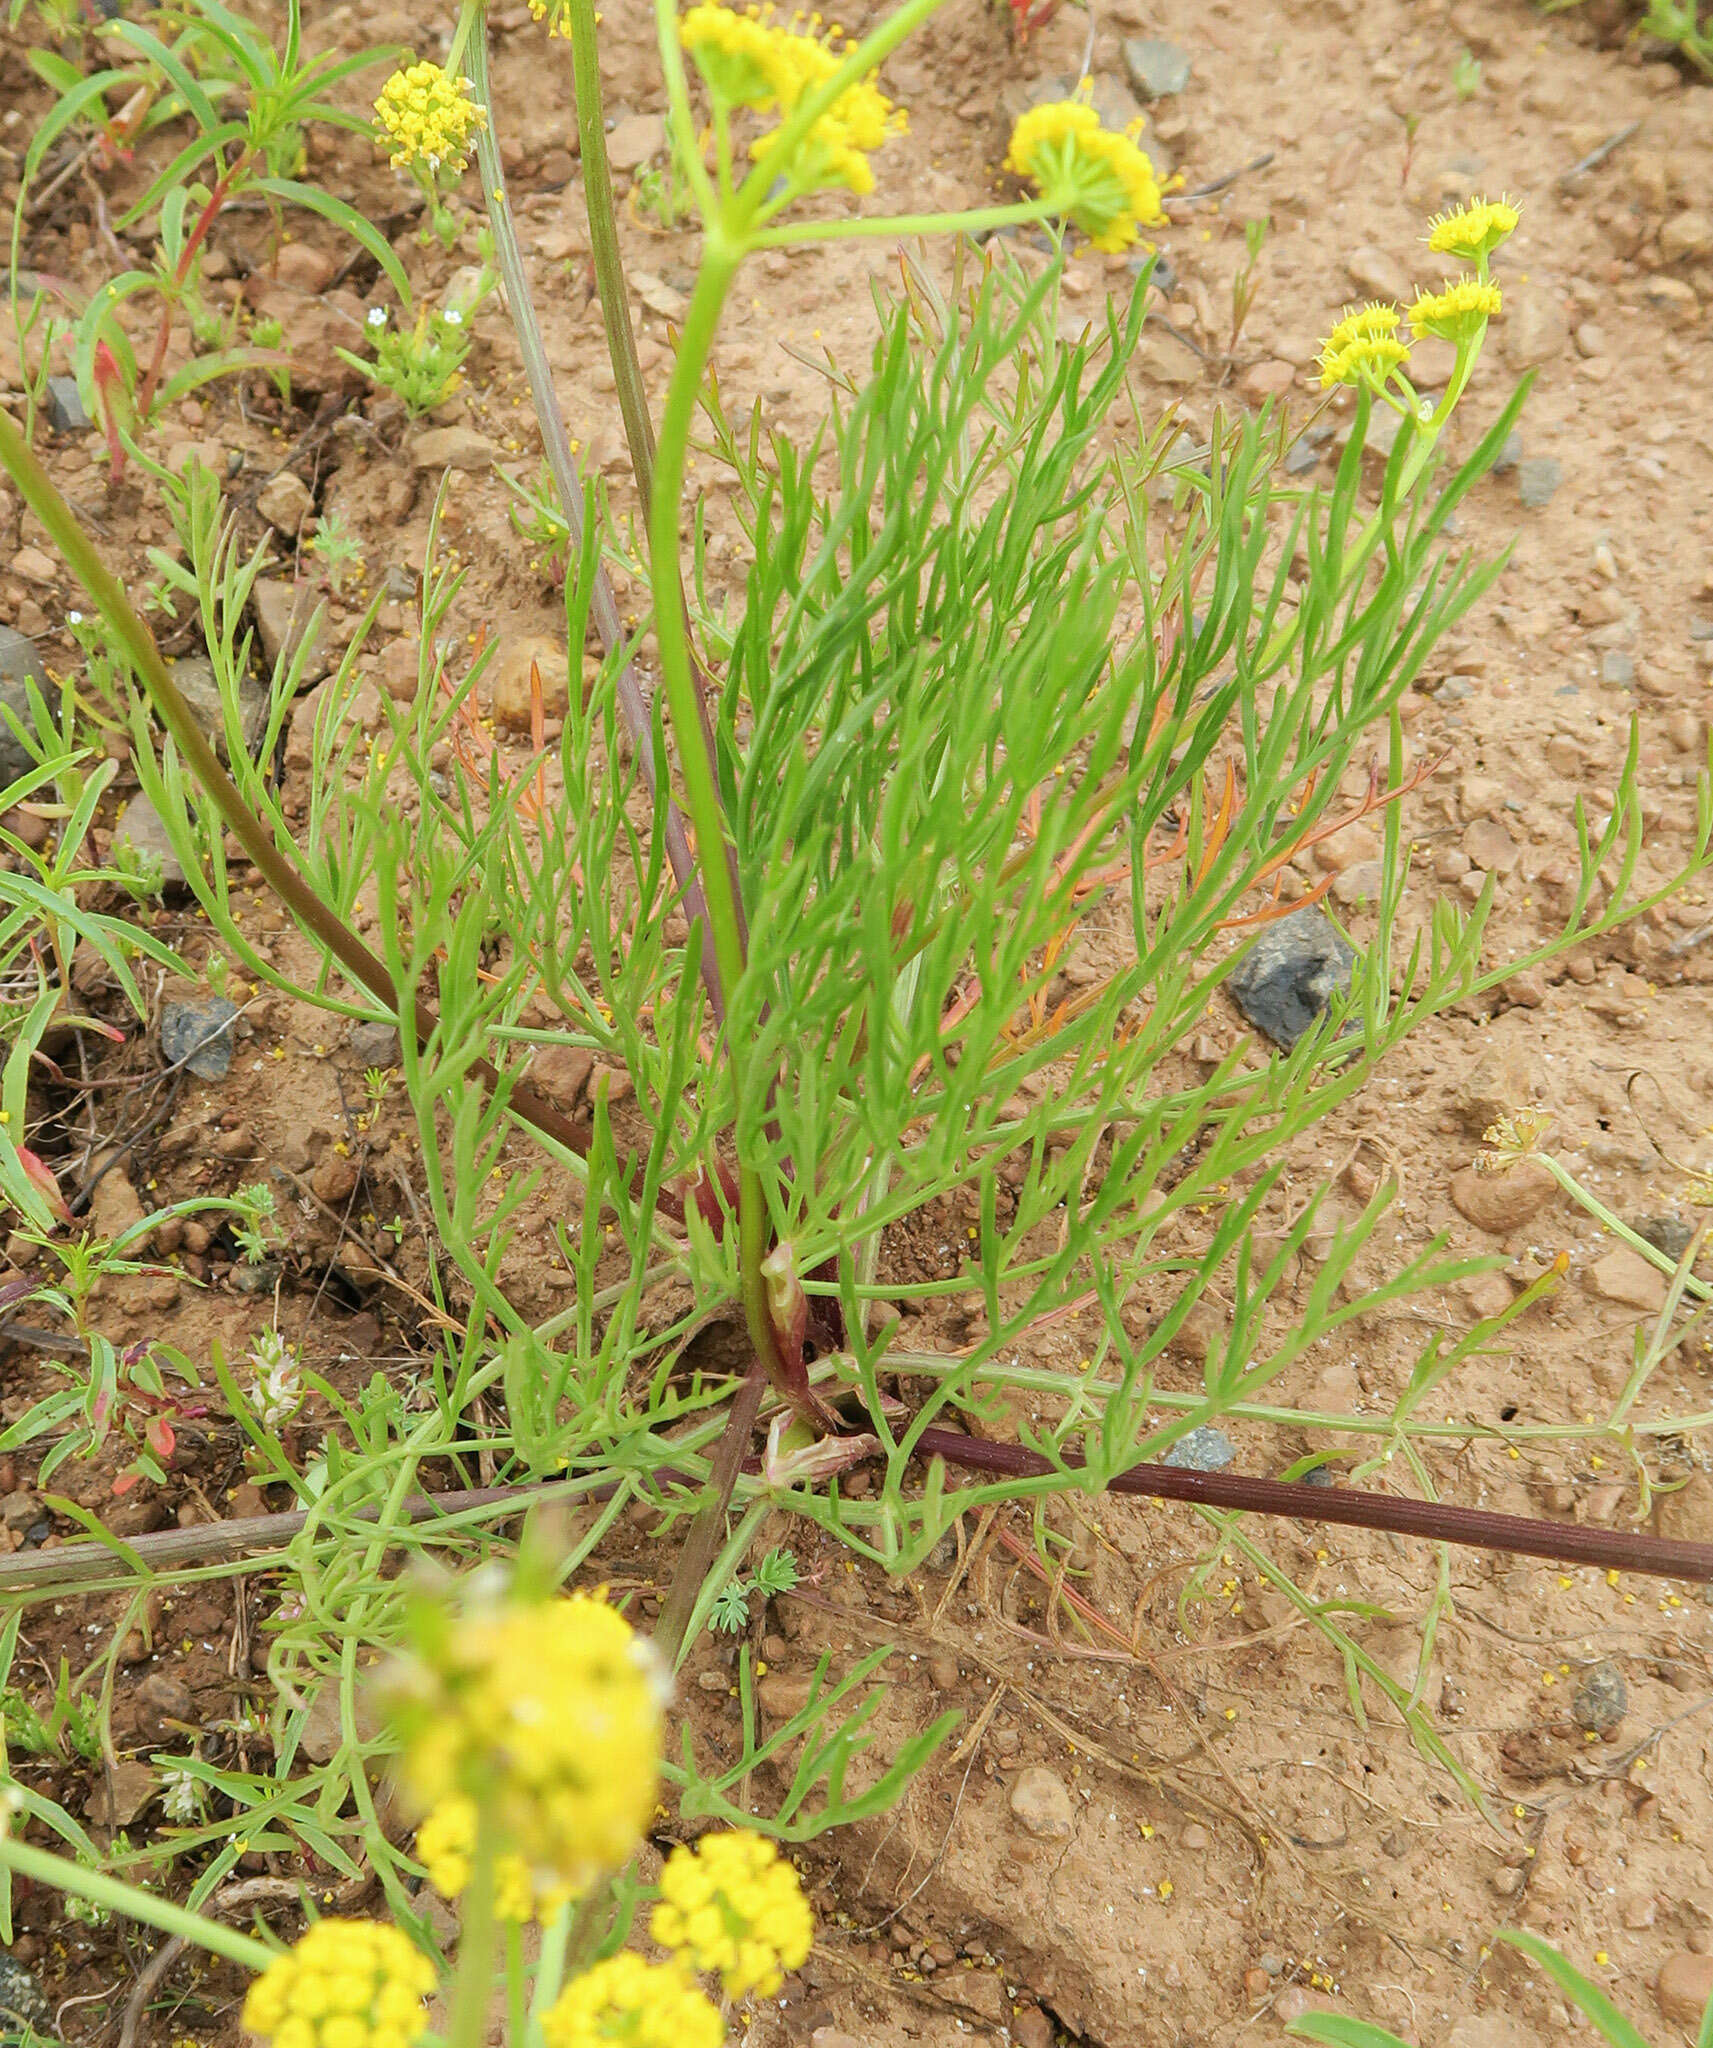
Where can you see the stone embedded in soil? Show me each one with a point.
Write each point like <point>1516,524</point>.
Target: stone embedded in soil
<point>1490,847</point>
<point>510,689</point>
<point>452,448</point>
<point>1157,68</point>
<point>1041,1805</point>
<point>1502,1202</point>
<point>1683,1987</point>
<point>1668,1234</point>
<point>1291,973</point>
<point>198,1035</point>
<point>1685,1514</point>
<point>334,1180</point>
<point>1503,1079</point>
<point>1536,328</point>
<point>1538,479</point>
<point>1030,2028</point>
<point>1624,1277</point>
<point>199,688</point>
<point>120,1795</point>
<point>65,407</point>
<point>830,2037</point>
<point>22,1999</point>
<point>561,1072</point>
<point>20,665</point>
<point>114,1207</point>
<point>1203,1450</point>
<point>373,1045</point>
<point>1617,669</point>
<point>1377,272</point>
<point>288,619</point>
<point>1509,455</point>
<point>1491,2030</point>
<point>1686,234</point>
<point>163,1707</point>
<point>783,1694</point>
<point>285,503</point>
<point>634,140</point>
<point>1602,1699</point>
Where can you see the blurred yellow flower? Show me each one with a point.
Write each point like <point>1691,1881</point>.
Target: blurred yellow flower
<point>556,14</point>
<point>427,117</point>
<point>546,1711</point>
<point>642,2005</point>
<point>1101,181</point>
<point>446,1842</point>
<point>1367,359</point>
<point>347,1984</point>
<point>733,1904</point>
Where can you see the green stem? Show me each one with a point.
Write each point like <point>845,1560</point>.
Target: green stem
<point>984,220</point>
<point>60,1874</point>
<point>477,1923</point>
<point>1697,1290</point>
<point>566,481</point>
<point>604,245</point>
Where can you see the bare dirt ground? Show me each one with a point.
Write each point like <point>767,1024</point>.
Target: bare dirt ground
<point>1171,1828</point>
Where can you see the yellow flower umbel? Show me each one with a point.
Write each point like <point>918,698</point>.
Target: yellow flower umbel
<point>733,1904</point>
<point>556,14</point>
<point>347,1984</point>
<point>746,61</point>
<point>427,118</point>
<point>1458,311</point>
<point>446,1842</point>
<point>1364,348</point>
<point>639,2005</point>
<point>546,1715</point>
<point>1473,232</point>
<point>1099,180</point>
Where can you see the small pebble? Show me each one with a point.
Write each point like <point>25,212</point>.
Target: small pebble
<point>1538,479</point>
<point>1041,1805</point>
<point>1202,1450</point>
<point>1601,1698</point>
<point>1683,1987</point>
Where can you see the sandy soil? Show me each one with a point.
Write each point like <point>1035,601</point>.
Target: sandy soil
<point>1167,1825</point>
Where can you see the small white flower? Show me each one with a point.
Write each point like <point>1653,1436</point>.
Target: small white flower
<point>74,618</point>
<point>377,316</point>
<point>181,1794</point>
<point>276,1391</point>
<point>453,317</point>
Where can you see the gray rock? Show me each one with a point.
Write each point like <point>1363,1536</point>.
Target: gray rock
<point>1617,668</point>
<point>20,1510</point>
<point>1538,479</point>
<point>20,665</point>
<point>1202,1450</point>
<point>65,407</point>
<point>1157,68</point>
<point>199,1035</point>
<point>1668,1234</point>
<point>195,678</point>
<point>373,1045</point>
<point>1300,458</point>
<point>287,616</point>
<point>259,1279</point>
<point>1290,975</point>
<point>139,826</point>
<point>1509,455</point>
<point>1701,629</point>
<point>1601,1699</point>
<point>23,2002</point>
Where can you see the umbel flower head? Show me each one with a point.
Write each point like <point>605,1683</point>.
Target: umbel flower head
<point>556,14</point>
<point>733,1904</point>
<point>1513,1137</point>
<point>1474,231</point>
<point>1457,311</point>
<point>747,60</point>
<point>1364,347</point>
<point>544,1712</point>
<point>428,117</point>
<point>639,2005</point>
<point>446,1842</point>
<point>347,1984</point>
<point>1101,181</point>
